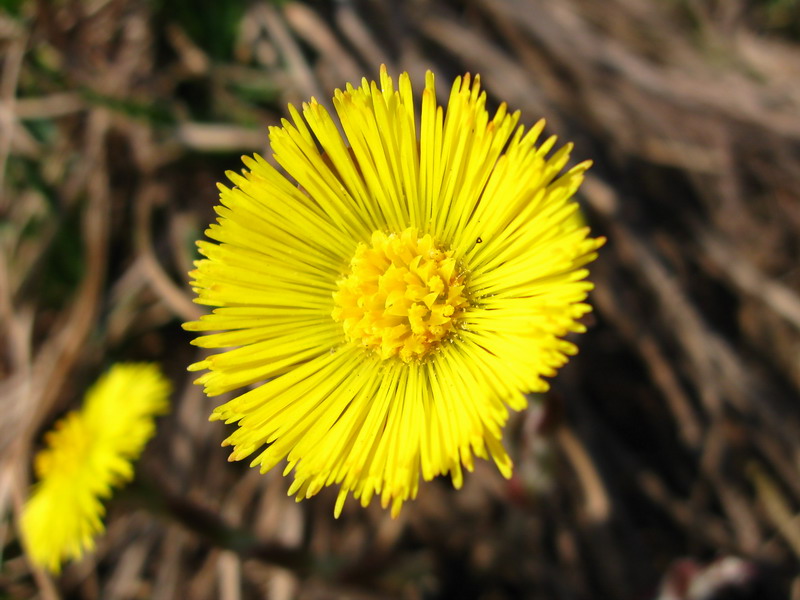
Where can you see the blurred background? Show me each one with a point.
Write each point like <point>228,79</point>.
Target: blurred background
<point>666,461</point>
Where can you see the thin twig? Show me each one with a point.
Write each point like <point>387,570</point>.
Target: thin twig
<point>12,66</point>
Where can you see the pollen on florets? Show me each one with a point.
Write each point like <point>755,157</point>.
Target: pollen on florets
<point>402,295</point>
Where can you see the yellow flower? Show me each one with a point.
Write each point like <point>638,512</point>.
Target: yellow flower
<point>411,284</point>
<point>88,452</point>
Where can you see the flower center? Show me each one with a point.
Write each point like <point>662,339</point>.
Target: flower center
<point>68,447</point>
<point>402,296</point>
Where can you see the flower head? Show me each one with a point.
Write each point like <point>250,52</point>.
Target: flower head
<point>411,284</point>
<point>87,453</point>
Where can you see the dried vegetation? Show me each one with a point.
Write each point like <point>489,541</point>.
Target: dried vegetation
<point>673,436</point>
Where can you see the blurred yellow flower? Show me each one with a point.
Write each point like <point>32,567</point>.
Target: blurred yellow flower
<point>413,282</point>
<point>88,452</point>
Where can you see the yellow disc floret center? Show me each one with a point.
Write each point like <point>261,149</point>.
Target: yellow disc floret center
<point>69,447</point>
<point>402,296</point>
